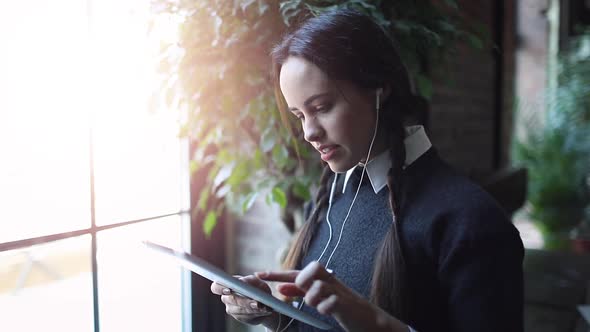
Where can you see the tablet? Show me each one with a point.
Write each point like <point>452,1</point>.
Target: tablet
<point>213,273</point>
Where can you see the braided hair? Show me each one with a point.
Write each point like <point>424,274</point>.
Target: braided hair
<point>304,235</point>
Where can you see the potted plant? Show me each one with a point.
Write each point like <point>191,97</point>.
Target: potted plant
<point>555,149</point>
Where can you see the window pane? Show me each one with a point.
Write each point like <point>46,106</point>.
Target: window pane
<point>137,151</point>
<point>47,287</point>
<point>138,289</point>
<point>137,168</point>
<point>44,174</point>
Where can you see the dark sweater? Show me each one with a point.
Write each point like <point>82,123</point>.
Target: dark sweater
<point>463,255</point>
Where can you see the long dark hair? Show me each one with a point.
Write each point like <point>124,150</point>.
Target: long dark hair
<point>348,45</point>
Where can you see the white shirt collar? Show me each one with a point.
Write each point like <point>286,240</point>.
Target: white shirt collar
<point>416,143</point>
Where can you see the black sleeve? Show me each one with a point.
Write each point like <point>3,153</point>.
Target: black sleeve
<point>481,275</point>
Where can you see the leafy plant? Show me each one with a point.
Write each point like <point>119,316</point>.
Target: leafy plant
<point>217,73</point>
<point>555,148</point>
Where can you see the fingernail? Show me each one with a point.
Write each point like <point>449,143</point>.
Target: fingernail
<point>226,291</point>
<point>254,305</point>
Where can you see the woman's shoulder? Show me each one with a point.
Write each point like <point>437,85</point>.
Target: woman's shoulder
<point>436,182</point>
<point>450,205</point>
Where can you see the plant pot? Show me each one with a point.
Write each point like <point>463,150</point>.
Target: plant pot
<point>580,236</point>
<point>581,246</point>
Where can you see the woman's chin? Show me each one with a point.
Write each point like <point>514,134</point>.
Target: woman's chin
<point>340,166</point>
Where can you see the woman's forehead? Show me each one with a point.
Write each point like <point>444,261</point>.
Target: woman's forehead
<point>300,79</point>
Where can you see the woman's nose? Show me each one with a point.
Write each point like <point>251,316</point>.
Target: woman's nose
<point>312,130</point>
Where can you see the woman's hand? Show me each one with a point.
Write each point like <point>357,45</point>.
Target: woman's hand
<point>323,291</point>
<point>243,308</point>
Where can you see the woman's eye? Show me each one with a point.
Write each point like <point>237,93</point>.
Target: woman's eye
<point>300,119</point>
<point>322,108</point>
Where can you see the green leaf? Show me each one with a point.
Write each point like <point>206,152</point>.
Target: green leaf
<point>280,155</point>
<point>304,149</point>
<point>264,184</point>
<point>263,7</point>
<point>424,86</point>
<point>193,166</point>
<point>223,191</point>
<point>268,140</point>
<point>223,174</point>
<point>446,26</point>
<point>249,201</point>
<point>302,191</point>
<point>244,4</point>
<point>239,174</point>
<point>258,159</point>
<point>474,41</point>
<point>210,222</point>
<point>452,4</point>
<point>203,198</point>
<point>278,196</point>
<point>402,26</point>
<point>289,9</point>
<point>224,156</point>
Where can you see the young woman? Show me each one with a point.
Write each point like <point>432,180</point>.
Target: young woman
<point>397,240</point>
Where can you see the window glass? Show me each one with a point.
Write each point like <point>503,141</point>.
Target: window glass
<point>47,287</point>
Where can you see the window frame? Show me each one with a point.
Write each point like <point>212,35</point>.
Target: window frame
<point>186,280</point>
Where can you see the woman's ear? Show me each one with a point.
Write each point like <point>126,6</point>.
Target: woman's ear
<point>386,92</point>
<point>382,94</point>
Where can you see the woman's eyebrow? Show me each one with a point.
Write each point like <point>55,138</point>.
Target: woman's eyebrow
<point>310,100</point>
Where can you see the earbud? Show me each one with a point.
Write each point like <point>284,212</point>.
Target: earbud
<point>378,98</point>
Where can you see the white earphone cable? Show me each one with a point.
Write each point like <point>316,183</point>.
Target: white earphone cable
<point>357,188</point>
<point>347,213</point>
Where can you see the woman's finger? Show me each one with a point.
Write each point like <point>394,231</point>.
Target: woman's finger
<point>245,305</point>
<point>253,280</point>
<point>280,276</point>
<point>328,306</point>
<point>249,317</point>
<point>318,291</point>
<point>246,312</point>
<point>219,289</point>
<point>229,300</point>
<point>290,290</point>
<point>242,301</point>
<point>313,271</point>
<point>238,301</point>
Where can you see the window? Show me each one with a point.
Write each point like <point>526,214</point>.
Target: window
<point>88,170</point>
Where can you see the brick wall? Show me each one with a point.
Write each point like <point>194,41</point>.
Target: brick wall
<point>255,243</point>
<point>466,104</point>
<point>462,114</point>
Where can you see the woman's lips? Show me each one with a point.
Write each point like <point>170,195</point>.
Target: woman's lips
<point>329,154</point>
